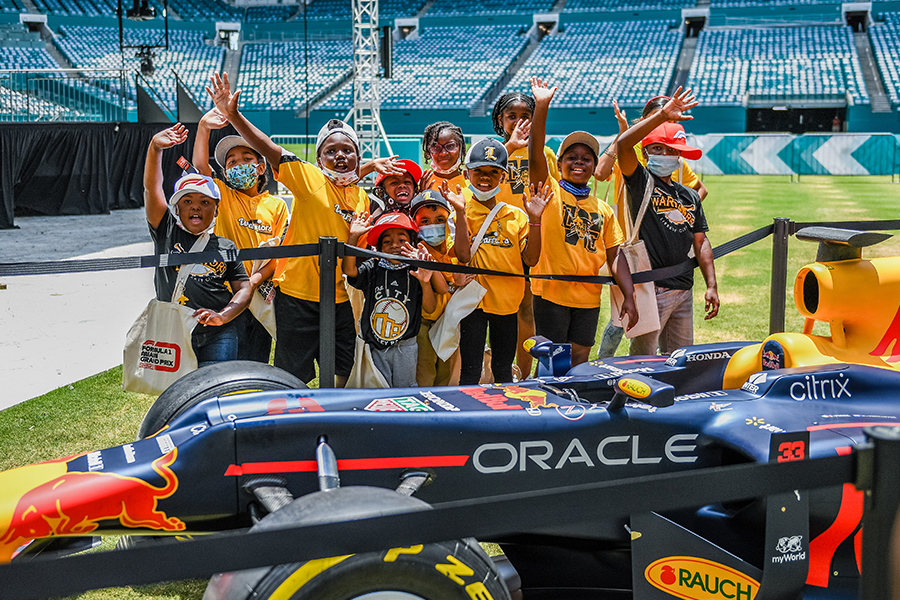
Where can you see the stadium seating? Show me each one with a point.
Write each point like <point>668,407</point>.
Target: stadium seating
<point>188,54</point>
<point>886,46</point>
<point>439,70</point>
<point>273,75</point>
<point>580,6</point>
<point>461,8</point>
<point>11,6</point>
<point>26,58</point>
<point>271,14</point>
<point>341,9</point>
<point>206,10</point>
<point>775,61</point>
<point>596,63</point>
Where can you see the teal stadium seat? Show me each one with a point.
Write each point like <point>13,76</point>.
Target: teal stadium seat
<point>596,63</point>
<point>886,46</point>
<point>776,61</point>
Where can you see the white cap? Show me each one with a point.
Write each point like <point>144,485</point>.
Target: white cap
<point>194,182</point>
<point>335,126</point>
<point>227,143</point>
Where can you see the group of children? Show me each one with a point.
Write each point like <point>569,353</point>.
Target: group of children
<point>513,206</point>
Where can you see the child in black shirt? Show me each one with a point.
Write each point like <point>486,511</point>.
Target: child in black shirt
<point>395,294</point>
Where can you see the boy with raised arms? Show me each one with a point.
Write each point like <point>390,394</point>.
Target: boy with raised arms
<point>580,234</point>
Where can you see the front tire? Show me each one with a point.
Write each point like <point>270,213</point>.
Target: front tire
<point>454,570</point>
<point>231,377</point>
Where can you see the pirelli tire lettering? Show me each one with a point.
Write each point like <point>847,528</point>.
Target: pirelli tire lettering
<point>455,570</point>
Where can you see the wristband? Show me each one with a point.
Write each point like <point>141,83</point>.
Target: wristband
<point>534,224</point>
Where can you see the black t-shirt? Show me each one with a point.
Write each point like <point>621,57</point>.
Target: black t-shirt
<point>393,307</point>
<point>205,287</point>
<point>675,214</point>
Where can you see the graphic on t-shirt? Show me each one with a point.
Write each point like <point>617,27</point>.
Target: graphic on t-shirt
<point>675,214</point>
<point>581,225</point>
<point>255,225</point>
<point>389,319</point>
<point>493,238</point>
<point>518,175</point>
<point>203,270</point>
<point>346,215</point>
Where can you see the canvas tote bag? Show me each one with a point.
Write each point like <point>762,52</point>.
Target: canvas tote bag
<point>444,334</point>
<point>158,347</point>
<point>261,305</point>
<point>364,373</point>
<point>636,255</point>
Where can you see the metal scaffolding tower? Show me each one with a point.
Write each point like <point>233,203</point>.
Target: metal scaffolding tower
<point>366,111</point>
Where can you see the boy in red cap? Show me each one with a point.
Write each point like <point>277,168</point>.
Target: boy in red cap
<point>674,223</point>
<point>397,191</point>
<point>395,294</point>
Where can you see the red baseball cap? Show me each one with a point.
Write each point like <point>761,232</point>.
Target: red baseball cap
<point>673,136</point>
<point>409,166</point>
<point>392,220</point>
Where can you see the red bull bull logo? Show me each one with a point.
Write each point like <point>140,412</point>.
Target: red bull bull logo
<point>75,504</point>
<point>534,398</point>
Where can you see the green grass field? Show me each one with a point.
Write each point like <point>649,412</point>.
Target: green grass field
<point>96,413</point>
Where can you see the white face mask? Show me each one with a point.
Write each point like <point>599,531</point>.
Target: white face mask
<point>663,165</point>
<point>433,235</point>
<point>341,179</point>
<point>449,171</point>
<point>484,196</point>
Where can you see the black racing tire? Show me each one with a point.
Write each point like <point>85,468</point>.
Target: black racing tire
<point>454,570</point>
<point>219,379</point>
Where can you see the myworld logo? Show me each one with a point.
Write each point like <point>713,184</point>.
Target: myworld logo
<point>694,578</point>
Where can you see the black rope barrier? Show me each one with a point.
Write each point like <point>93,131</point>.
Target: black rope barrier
<point>485,518</point>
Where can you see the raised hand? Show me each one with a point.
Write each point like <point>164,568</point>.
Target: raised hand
<point>540,91</point>
<point>167,138</point>
<point>389,165</point>
<point>519,137</point>
<point>214,119</point>
<point>680,103</point>
<point>537,201</point>
<point>360,224</point>
<point>225,101</point>
<point>620,117</point>
<point>455,198</point>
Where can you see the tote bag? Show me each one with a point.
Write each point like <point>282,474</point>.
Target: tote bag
<point>364,373</point>
<point>158,347</point>
<point>444,334</point>
<point>636,256</point>
<point>261,303</point>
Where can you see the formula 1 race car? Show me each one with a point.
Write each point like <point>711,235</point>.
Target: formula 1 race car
<point>243,445</point>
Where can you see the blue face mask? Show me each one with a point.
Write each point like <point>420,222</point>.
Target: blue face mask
<point>433,235</point>
<point>484,196</point>
<point>242,177</point>
<point>663,165</point>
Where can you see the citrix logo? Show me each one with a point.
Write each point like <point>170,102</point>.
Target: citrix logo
<point>821,389</point>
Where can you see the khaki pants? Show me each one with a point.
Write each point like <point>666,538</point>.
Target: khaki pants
<point>431,370</point>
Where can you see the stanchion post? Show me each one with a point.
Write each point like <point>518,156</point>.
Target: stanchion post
<point>328,247</point>
<point>880,513</point>
<point>779,274</point>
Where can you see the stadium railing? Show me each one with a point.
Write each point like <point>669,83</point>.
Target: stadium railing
<point>63,95</point>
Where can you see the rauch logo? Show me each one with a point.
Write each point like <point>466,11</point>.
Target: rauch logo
<point>695,578</point>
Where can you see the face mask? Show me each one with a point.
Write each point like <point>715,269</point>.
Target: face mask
<point>242,177</point>
<point>433,235</point>
<point>483,196</point>
<point>663,166</point>
<point>449,171</point>
<point>340,179</point>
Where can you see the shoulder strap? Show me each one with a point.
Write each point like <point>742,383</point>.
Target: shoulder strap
<point>476,241</point>
<point>648,190</point>
<point>185,271</point>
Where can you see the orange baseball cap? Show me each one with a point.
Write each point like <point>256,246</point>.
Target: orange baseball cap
<point>673,136</point>
<point>393,220</point>
<point>409,166</point>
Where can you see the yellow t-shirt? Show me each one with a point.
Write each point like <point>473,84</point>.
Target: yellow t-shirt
<point>249,220</point>
<point>574,238</point>
<point>320,209</point>
<point>442,299</point>
<point>501,250</point>
<point>684,175</point>
<point>512,191</point>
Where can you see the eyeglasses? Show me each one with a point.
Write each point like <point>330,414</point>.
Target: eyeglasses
<point>449,147</point>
